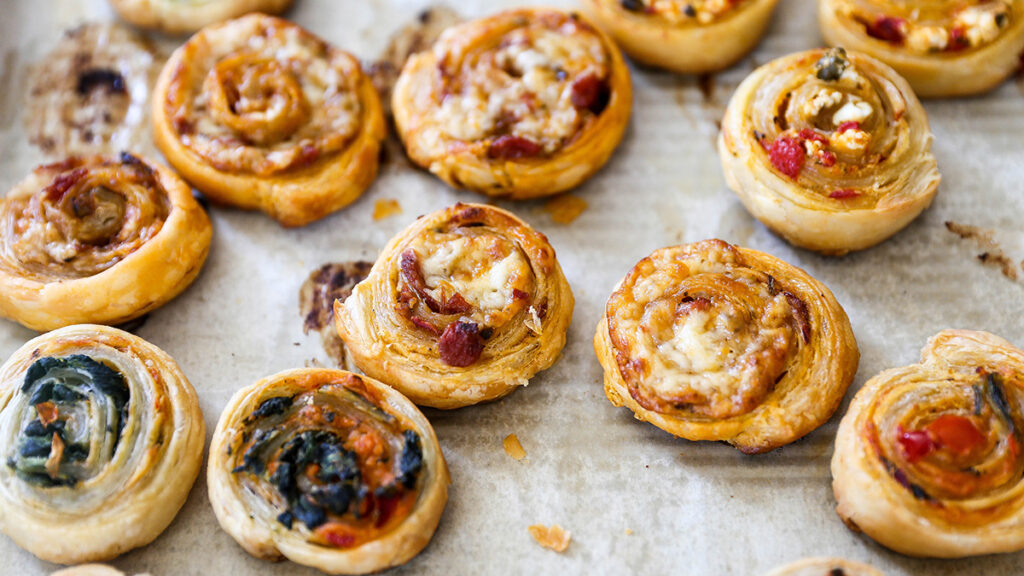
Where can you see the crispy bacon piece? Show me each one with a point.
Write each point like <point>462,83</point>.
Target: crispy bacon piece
<point>800,312</point>
<point>61,184</point>
<point>410,267</point>
<point>509,147</point>
<point>461,344</point>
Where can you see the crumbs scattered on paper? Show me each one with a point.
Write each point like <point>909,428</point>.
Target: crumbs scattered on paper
<point>993,254</point>
<point>386,208</point>
<point>629,532</point>
<point>513,448</point>
<point>565,208</point>
<point>554,537</point>
<point>326,284</point>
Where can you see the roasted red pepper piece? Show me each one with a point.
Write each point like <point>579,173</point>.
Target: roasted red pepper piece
<point>787,155</point>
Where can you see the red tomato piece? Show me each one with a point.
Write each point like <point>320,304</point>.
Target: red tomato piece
<point>787,155</point>
<point>955,433</point>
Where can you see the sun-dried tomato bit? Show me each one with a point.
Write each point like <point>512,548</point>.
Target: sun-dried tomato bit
<point>846,126</point>
<point>553,537</point>
<point>509,147</point>
<point>888,29</point>
<point>808,134</point>
<point>787,155</point>
<point>957,39</point>
<point>513,447</point>
<point>461,344</point>
<point>385,208</point>
<point>955,433</point>
<point>591,93</point>
<point>843,194</point>
<point>916,444</point>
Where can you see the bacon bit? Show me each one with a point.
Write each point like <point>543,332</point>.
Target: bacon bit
<point>827,158</point>
<point>957,39</point>
<point>844,194</point>
<point>787,155</point>
<point>565,208</point>
<point>916,444</point>
<point>803,316</point>
<point>429,327</point>
<point>887,28</point>
<point>56,454</point>
<point>510,147</point>
<point>591,93</point>
<point>955,433</point>
<point>846,126</point>
<point>456,305</point>
<point>808,134</point>
<point>183,126</point>
<point>47,412</point>
<point>513,448</point>
<point>554,537</point>
<point>386,208</point>
<point>308,154</point>
<point>688,304</point>
<point>62,183</point>
<point>409,265</point>
<point>461,344</point>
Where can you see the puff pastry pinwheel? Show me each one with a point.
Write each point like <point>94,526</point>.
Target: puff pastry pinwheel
<point>91,570</point>
<point>463,306</point>
<point>832,151</point>
<point>258,113</point>
<point>328,469</point>
<point>523,104</point>
<point>710,341</point>
<point>101,439</point>
<point>928,458</point>
<point>97,239</point>
<point>942,47</point>
<point>184,16</point>
<point>688,36</point>
<point>825,567</point>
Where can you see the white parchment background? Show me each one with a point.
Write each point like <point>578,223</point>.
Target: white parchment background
<point>700,509</point>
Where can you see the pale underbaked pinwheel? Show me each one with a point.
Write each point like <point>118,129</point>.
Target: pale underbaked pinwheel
<point>825,567</point>
<point>832,151</point>
<point>183,16</point>
<point>688,36</point>
<point>710,341</point>
<point>328,469</point>
<point>97,239</point>
<point>523,104</point>
<point>258,113</point>
<point>928,458</point>
<point>101,439</point>
<point>463,306</point>
<point>942,47</point>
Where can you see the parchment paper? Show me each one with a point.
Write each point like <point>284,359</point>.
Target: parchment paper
<point>693,508</point>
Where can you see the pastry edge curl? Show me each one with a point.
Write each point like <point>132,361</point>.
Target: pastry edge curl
<point>117,294</point>
<point>178,18</point>
<point>965,74</point>
<point>392,549</point>
<point>684,49</point>
<point>295,197</point>
<point>60,544</point>
<point>523,179</point>
<point>861,501</point>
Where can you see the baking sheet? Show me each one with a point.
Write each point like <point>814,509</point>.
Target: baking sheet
<point>636,499</point>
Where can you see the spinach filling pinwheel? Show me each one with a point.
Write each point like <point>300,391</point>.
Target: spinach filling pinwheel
<point>101,437</point>
<point>328,469</point>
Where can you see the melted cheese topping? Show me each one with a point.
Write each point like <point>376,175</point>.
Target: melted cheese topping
<point>713,341</point>
<point>485,269</point>
<point>938,25</point>
<point>522,85</point>
<point>260,95</point>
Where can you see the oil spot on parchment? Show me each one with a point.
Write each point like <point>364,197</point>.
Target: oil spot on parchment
<point>992,253</point>
<point>90,95</point>
<point>326,284</point>
<point>565,209</point>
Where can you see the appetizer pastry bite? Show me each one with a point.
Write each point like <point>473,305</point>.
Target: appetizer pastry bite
<point>688,36</point>
<point>830,150</point>
<point>928,458</point>
<point>91,570</point>
<point>328,469</point>
<point>97,239</point>
<point>258,113</point>
<point>463,306</point>
<point>942,47</point>
<point>101,438</point>
<point>710,341</point>
<point>185,16</point>
<point>825,567</point>
<point>523,104</point>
